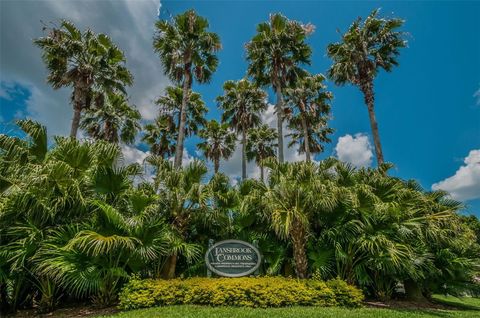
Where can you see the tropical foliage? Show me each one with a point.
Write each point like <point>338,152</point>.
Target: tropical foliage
<point>187,51</point>
<point>218,143</point>
<point>242,104</point>
<point>275,54</point>
<point>86,62</point>
<point>365,49</point>
<point>77,221</point>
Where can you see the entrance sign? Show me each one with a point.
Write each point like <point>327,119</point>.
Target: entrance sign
<point>232,258</point>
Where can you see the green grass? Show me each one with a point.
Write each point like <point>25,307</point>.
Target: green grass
<point>464,308</point>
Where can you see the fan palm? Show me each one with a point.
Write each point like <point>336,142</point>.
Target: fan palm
<point>261,145</point>
<point>295,194</point>
<point>309,112</point>
<point>83,61</point>
<point>219,142</point>
<point>171,112</point>
<point>187,51</point>
<point>183,196</point>
<point>161,136</point>
<point>114,120</point>
<point>242,102</point>
<point>274,55</point>
<point>365,49</point>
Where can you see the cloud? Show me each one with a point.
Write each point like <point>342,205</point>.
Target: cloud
<point>355,150</point>
<point>465,183</point>
<point>130,24</point>
<point>133,155</point>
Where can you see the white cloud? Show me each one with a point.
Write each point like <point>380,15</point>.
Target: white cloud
<point>133,155</point>
<point>355,150</point>
<point>465,183</point>
<point>130,24</point>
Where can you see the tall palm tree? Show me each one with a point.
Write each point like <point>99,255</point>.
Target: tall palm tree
<point>161,136</point>
<point>261,145</point>
<point>242,102</point>
<point>219,142</point>
<point>186,50</point>
<point>171,114</point>
<point>83,61</point>
<point>114,120</point>
<point>274,56</point>
<point>365,49</point>
<point>308,113</point>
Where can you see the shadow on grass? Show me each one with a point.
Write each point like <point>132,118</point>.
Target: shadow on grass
<point>457,303</point>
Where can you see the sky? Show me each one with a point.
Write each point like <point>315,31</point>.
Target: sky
<point>428,108</point>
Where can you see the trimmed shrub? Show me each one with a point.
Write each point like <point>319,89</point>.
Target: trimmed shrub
<point>247,292</point>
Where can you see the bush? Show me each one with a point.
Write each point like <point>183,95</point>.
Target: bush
<point>248,292</point>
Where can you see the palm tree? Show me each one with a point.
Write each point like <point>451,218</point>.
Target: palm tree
<point>185,47</point>
<point>171,113</point>
<point>365,48</point>
<point>84,61</point>
<point>308,114</point>
<point>183,196</point>
<point>274,56</point>
<point>219,142</point>
<point>292,200</point>
<point>161,136</point>
<point>113,120</point>
<point>242,102</point>
<point>261,145</point>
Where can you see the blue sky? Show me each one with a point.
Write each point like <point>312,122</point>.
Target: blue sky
<point>428,114</point>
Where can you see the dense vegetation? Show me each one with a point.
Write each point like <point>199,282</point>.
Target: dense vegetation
<point>77,222</point>
<point>261,292</point>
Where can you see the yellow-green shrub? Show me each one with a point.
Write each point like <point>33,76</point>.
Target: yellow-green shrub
<point>246,291</point>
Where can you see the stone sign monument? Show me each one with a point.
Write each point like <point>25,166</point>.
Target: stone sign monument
<point>232,258</point>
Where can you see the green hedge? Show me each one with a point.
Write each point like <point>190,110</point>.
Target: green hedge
<point>246,291</point>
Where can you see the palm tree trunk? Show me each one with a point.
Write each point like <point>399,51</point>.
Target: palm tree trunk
<point>369,98</point>
<point>413,291</point>
<point>183,117</point>
<point>79,102</point>
<point>299,240</point>
<point>262,173</point>
<point>110,133</point>
<point>279,109</point>
<point>216,164</point>
<point>306,137</point>
<point>244,154</point>
<point>168,271</point>
<point>75,122</point>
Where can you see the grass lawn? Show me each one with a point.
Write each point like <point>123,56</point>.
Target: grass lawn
<point>461,308</point>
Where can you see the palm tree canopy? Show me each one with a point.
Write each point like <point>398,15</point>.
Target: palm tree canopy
<point>219,141</point>
<point>185,41</point>
<point>261,143</point>
<point>242,103</point>
<point>276,50</point>
<point>365,48</point>
<point>170,107</point>
<point>161,136</point>
<point>71,55</point>
<point>113,120</point>
<point>309,100</point>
